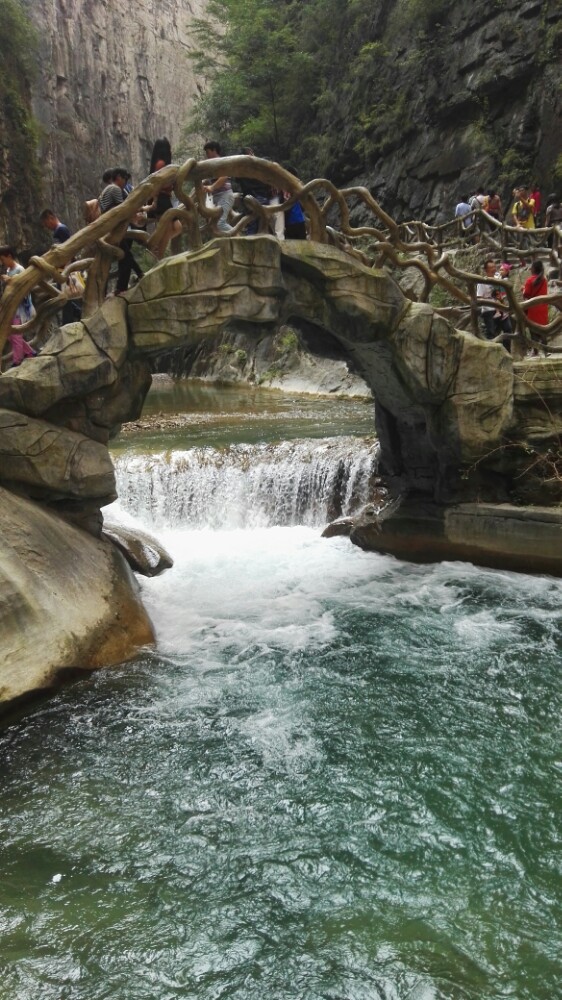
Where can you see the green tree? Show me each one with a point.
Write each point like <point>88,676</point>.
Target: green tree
<point>260,77</point>
<point>278,72</point>
<point>18,44</point>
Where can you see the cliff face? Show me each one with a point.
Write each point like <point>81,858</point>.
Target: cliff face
<point>18,193</point>
<point>448,96</point>
<point>112,77</point>
<point>19,173</point>
<point>431,97</point>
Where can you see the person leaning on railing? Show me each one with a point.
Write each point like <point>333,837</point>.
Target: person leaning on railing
<point>161,157</point>
<point>112,195</point>
<point>495,320</point>
<point>257,189</point>
<point>295,219</point>
<point>220,189</point>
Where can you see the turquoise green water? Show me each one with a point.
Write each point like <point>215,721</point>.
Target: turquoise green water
<point>219,415</point>
<point>337,777</point>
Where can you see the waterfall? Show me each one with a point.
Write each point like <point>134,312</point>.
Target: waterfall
<point>307,482</point>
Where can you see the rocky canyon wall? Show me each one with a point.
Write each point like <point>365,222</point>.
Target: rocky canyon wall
<point>112,77</point>
<point>448,96</point>
<point>434,97</point>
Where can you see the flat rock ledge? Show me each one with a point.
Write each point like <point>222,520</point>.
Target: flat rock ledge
<point>526,539</point>
<point>68,602</point>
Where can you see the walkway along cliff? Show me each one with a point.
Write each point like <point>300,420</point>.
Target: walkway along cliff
<point>469,437</point>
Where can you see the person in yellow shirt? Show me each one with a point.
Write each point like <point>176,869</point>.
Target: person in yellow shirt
<point>524,210</point>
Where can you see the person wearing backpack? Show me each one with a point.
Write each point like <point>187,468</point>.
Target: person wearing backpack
<point>524,216</point>
<point>524,210</point>
<point>112,195</point>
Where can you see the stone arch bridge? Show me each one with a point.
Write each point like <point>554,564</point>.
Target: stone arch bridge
<point>464,431</point>
<point>458,421</point>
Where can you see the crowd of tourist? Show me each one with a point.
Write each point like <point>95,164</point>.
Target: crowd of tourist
<point>525,209</point>
<point>524,212</point>
<point>493,309</point>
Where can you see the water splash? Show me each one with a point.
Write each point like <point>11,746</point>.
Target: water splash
<point>306,482</point>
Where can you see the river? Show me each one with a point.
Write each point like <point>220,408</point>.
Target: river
<point>336,777</point>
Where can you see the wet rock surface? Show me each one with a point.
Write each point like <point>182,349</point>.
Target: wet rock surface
<point>502,536</point>
<point>69,602</point>
<point>143,552</point>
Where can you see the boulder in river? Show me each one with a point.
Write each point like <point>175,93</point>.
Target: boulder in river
<point>69,602</point>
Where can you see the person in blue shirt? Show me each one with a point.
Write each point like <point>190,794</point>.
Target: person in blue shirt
<point>49,220</point>
<point>72,309</point>
<point>463,211</point>
<point>295,219</point>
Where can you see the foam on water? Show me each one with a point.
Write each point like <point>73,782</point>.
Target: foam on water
<point>283,587</point>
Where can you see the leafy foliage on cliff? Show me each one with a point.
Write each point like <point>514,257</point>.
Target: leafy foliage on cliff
<point>18,130</point>
<point>266,69</point>
<point>275,69</point>
<point>422,97</point>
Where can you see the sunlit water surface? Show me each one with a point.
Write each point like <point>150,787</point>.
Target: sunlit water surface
<point>337,777</point>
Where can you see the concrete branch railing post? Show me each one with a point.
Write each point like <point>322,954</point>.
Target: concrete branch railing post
<point>405,245</point>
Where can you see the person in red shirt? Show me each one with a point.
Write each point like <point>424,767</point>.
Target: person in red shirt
<point>534,286</point>
<point>536,196</point>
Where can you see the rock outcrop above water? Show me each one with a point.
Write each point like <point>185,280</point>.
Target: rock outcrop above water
<point>143,553</point>
<point>463,430</point>
<point>503,536</point>
<point>69,602</point>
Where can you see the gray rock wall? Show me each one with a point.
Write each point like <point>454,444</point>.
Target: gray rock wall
<point>113,76</point>
<point>467,96</point>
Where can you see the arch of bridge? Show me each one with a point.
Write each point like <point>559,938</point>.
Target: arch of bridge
<point>443,398</point>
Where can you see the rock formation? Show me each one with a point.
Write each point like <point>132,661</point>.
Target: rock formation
<point>500,535</point>
<point>294,358</point>
<point>69,601</point>
<point>112,77</point>
<point>462,427</point>
<point>447,96</point>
